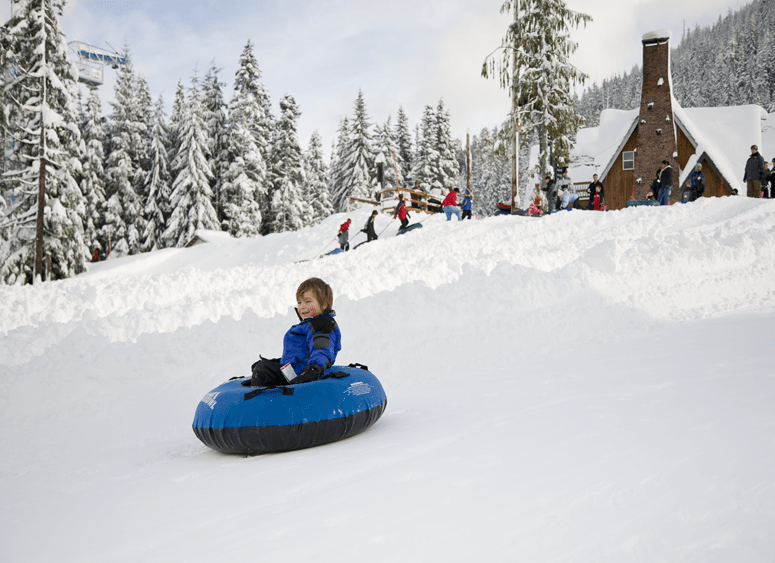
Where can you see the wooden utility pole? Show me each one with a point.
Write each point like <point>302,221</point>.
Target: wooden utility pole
<point>515,117</point>
<point>468,160</point>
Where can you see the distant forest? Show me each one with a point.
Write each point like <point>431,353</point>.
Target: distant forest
<point>729,63</point>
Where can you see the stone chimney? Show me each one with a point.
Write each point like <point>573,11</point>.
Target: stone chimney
<point>656,126</point>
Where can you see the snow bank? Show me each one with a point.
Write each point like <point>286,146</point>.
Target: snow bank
<point>584,387</point>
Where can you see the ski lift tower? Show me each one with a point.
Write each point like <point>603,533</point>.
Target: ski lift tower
<point>91,62</point>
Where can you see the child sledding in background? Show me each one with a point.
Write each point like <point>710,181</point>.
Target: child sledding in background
<point>344,235</point>
<point>311,346</point>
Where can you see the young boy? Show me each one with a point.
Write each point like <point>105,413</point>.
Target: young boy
<point>311,346</point>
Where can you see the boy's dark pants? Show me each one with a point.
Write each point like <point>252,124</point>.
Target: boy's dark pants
<point>266,373</point>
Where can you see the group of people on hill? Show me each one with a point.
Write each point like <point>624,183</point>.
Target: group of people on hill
<point>449,205</point>
<point>368,228</point>
<point>562,194</point>
<point>759,179</point>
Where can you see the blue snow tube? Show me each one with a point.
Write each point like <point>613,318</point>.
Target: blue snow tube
<point>235,418</point>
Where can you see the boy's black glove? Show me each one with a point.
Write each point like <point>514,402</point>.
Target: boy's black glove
<point>310,373</point>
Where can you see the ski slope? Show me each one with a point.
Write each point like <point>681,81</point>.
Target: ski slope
<point>583,387</point>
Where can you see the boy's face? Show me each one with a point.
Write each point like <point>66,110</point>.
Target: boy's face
<point>308,305</point>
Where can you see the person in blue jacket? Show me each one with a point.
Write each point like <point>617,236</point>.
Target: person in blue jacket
<point>310,347</point>
<point>467,198</point>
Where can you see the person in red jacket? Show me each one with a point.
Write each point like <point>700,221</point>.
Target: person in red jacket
<point>450,205</point>
<point>401,212</point>
<point>344,235</point>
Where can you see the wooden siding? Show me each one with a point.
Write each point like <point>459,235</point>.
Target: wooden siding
<point>713,183</point>
<point>618,182</point>
<point>685,148</point>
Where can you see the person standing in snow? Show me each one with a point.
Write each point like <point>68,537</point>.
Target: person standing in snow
<point>450,205</point>
<point>698,183</point>
<point>436,193</point>
<point>768,189</point>
<point>401,212</point>
<point>344,235</point>
<point>467,199</point>
<point>368,228</point>
<point>416,196</point>
<point>551,193</point>
<point>310,347</point>
<point>754,173</point>
<point>566,190</point>
<point>655,185</point>
<point>665,183</point>
<point>596,190</point>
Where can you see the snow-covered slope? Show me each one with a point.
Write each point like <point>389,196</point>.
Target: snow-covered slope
<point>582,387</point>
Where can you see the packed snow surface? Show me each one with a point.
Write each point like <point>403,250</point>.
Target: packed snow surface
<point>583,387</point>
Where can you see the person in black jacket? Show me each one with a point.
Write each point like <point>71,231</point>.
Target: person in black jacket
<point>551,193</point>
<point>665,183</point>
<point>595,189</point>
<point>754,173</point>
<point>368,228</point>
<point>698,183</point>
<point>768,189</point>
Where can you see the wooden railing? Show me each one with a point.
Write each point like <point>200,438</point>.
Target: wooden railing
<point>415,200</point>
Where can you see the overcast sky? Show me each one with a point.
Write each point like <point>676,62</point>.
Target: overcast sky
<point>402,52</point>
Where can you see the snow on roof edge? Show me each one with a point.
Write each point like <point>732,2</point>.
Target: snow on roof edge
<point>657,34</point>
<point>721,157</point>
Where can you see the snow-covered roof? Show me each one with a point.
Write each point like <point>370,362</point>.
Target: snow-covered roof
<point>725,135</point>
<point>657,35</point>
<point>596,148</point>
<point>204,235</point>
<point>615,129</point>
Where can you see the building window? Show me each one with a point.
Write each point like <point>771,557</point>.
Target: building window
<point>628,160</point>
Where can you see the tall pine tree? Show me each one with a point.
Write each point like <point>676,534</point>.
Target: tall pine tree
<point>40,110</point>
<point>290,211</point>
<point>316,192</point>
<point>158,183</point>
<point>542,77</point>
<point>359,174</point>
<point>123,217</point>
<point>191,201</point>
<point>93,182</point>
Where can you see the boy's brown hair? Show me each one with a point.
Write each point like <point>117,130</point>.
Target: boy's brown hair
<point>320,289</point>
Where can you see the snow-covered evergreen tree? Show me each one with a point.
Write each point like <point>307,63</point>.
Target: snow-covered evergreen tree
<point>403,136</point>
<point>337,185</point>
<point>242,181</point>
<point>247,187</point>
<point>215,118</point>
<point>386,143</point>
<point>543,74</point>
<point>178,107</point>
<point>123,217</point>
<point>158,183</point>
<point>316,192</point>
<point>93,182</point>
<point>251,101</point>
<point>359,174</point>
<point>426,155</point>
<point>490,173</point>
<point>40,110</point>
<point>290,211</point>
<point>191,200</point>
<point>445,166</point>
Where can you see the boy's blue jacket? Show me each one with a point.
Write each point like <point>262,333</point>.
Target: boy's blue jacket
<point>312,341</point>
